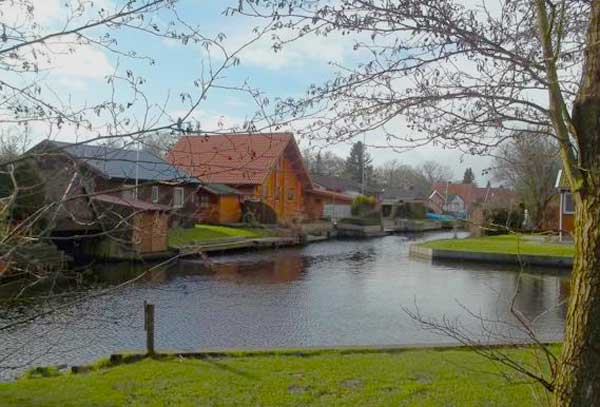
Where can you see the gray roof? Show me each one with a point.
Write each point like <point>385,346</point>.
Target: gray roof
<point>404,194</point>
<point>124,164</point>
<point>220,189</point>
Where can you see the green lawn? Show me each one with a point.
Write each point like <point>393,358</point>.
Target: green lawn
<point>509,244</point>
<point>201,233</point>
<point>447,377</point>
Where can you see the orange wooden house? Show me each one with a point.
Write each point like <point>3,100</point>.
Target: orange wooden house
<point>218,203</point>
<point>263,167</point>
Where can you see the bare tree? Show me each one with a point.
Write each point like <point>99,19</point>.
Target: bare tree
<point>13,143</point>
<point>469,76</point>
<point>393,175</point>
<point>121,112</point>
<point>529,165</point>
<point>323,162</point>
<point>435,172</point>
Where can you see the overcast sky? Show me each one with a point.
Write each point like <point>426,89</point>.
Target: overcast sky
<point>81,75</point>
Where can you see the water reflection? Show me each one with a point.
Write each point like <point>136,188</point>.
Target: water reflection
<point>328,294</point>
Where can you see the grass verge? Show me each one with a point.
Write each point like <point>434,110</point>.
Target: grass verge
<point>204,233</point>
<point>507,244</point>
<point>428,377</point>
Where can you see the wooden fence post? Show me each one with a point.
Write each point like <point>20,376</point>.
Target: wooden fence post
<point>149,327</point>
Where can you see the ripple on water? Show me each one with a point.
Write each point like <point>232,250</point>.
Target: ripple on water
<point>342,292</point>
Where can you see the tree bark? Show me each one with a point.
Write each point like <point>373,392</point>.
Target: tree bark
<point>578,380</point>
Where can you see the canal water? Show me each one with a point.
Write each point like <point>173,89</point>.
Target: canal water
<point>334,293</point>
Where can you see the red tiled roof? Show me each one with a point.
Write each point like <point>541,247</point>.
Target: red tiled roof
<point>130,203</point>
<point>230,158</point>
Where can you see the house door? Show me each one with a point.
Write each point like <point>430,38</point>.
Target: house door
<point>159,232</point>
<point>142,232</point>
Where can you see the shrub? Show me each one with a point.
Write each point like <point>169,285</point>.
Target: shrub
<point>362,205</point>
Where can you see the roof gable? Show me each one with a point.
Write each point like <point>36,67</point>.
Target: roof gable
<point>235,159</point>
<point>120,163</point>
<point>561,181</point>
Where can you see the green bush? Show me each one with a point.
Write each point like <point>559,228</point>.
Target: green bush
<point>361,205</point>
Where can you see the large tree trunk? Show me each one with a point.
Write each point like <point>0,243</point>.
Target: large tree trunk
<point>578,381</point>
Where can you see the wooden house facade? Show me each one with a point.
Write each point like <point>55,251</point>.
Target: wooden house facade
<point>127,197</point>
<point>264,168</point>
<point>566,208</point>
<point>218,203</point>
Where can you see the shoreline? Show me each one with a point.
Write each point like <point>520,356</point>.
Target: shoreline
<point>375,377</point>
<point>133,356</point>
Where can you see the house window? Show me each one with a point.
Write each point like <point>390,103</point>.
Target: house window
<point>204,201</point>
<point>128,192</point>
<point>155,194</point>
<point>568,206</point>
<point>178,197</point>
<point>291,195</point>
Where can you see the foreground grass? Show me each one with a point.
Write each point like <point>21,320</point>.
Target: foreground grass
<point>448,377</point>
<point>509,244</point>
<point>201,233</point>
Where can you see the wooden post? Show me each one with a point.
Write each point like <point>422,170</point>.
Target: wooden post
<point>149,327</point>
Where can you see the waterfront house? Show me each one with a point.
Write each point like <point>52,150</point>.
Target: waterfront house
<point>566,207</point>
<point>126,197</point>
<point>266,169</point>
<point>436,202</point>
<point>455,205</point>
<point>335,195</point>
<point>462,199</point>
<point>403,201</point>
<point>218,203</point>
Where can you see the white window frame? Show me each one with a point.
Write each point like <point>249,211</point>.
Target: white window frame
<point>155,194</point>
<point>565,210</point>
<point>178,192</point>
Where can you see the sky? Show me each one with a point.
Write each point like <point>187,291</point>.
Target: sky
<point>81,75</point>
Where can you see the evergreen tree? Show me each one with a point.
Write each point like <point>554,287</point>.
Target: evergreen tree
<point>469,177</point>
<point>358,161</point>
<point>318,167</point>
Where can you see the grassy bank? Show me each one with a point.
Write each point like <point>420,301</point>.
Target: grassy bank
<point>206,233</point>
<point>508,244</point>
<point>433,377</point>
